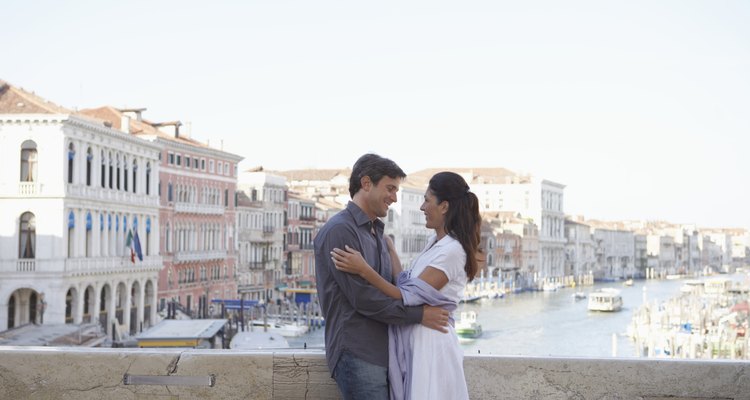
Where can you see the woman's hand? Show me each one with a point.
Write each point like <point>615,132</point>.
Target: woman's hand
<point>350,260</point>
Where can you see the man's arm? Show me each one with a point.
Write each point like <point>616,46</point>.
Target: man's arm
<point>367,299</point>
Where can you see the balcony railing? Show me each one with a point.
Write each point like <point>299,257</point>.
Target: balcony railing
<point>207,255</point>
<point>119,196</point>
<point>197,208</point>
<point>29,188</point>
<point>80,265</point>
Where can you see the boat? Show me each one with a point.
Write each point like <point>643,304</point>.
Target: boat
<point>606,299</point>
<point>468,327</point>
<point>258,340</point>
<point>579,295</point>
<point>286,329</point>
<point>628,282</point>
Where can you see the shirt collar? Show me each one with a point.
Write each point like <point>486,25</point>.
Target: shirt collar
<point>360,218</point>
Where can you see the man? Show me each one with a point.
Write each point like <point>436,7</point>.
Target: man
<point>357,314</point>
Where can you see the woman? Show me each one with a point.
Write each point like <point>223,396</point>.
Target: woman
<point>423,362</point>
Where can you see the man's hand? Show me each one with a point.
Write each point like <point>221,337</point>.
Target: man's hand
<point>435,318</point>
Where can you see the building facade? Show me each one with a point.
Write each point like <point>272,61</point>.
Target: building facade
<point>76,197</point>
<point>196,189</point>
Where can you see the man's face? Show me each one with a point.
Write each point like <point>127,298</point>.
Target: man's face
<point>380,196</point>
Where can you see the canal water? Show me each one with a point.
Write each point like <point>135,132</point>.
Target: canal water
<point>551,323</point>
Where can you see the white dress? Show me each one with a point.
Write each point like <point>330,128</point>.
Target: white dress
<point>437,363</point>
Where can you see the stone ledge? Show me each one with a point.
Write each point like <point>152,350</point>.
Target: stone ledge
<point>78,373</point>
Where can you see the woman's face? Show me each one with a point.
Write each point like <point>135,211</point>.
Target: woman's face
<point>434,213</point>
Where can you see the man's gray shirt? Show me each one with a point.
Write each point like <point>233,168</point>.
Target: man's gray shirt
<point>356,313</point>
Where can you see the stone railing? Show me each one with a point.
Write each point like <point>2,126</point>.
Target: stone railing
<point>79,373</point>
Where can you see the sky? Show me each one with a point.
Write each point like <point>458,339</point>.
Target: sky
<point>641,108</point>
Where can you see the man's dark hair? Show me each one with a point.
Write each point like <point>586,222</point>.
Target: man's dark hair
<point>374,166</point>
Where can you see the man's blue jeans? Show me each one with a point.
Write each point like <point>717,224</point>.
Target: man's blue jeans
<point>358,379</point>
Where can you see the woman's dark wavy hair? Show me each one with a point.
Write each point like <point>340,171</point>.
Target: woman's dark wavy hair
<point>462,221</point>
<point>374,166</point>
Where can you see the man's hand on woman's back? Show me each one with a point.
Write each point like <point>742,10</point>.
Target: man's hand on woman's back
<point>435,318</point>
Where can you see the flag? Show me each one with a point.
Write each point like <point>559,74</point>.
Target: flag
<point>137,247</point>
<point>129,244</point>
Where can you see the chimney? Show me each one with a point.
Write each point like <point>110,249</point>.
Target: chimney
<point>125,123</point>
<point>136,113</point>
<point>172,127</point>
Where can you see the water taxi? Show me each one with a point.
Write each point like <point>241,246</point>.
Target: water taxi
<point>606,299</point>
<point>468,327</point>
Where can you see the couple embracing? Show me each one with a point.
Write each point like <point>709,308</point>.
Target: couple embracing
<point>390,332</point>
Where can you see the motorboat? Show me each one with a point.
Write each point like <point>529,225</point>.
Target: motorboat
<point>579,295</point>
<point>606,299</point>
<point>468,327</point>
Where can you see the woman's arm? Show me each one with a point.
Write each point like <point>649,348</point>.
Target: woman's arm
<point>351,261</point>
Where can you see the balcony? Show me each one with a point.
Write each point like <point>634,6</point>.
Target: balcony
<point>90,266</point>
<point>118,196</point>
<point>109,373</point>
<point>192,256</point>
<point>197,208</point>
<point>28,189</point>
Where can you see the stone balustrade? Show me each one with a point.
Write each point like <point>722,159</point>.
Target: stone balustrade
<point>81,373</point>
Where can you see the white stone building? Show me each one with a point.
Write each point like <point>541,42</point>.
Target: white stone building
<point>270,191</point>
<point>71,192</point>
<point>540,200</point>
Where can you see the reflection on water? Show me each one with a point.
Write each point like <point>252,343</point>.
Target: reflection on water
<point>551,323</point>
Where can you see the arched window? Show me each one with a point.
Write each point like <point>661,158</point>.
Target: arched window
<point>148,235</point>
<point>27,237</point>
<point>119,164</point>
<point>71,159</point>
<point>28,161</point>
<point>104,170</point>
<point>111,170</point>
<point>148,178</point>
<point>71,233</point>
<point>168,241</point>
<point>169,192</point>
<point>135,168</point>
<point>126,173</point>
<point>89,224</point>
<point>89,160</point>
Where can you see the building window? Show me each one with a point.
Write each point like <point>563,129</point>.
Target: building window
<point>103,170</point>
<point>179,160</point>
<point>211,166</point>
<point>89,160</point>
<point>88,234</point>
<point>27,238</point>
<point>71,159</point>
<point>119,164</point>
<point>111,170</point>
<point>187,161</point>
<point>170,159</point>
<point>71,233</point>
<point>203,164</point>
<point>226,197</point>
<point>226,169</point>
<point>195,163</point>
<point>148,178</point>
<point>28,161</point>
<point>169,191</point>
<point>135,168</point>
<point>125,174</point>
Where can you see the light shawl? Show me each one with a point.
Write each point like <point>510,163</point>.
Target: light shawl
<point>414,291</point>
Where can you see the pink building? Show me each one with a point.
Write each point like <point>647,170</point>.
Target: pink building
<point>197,186</point>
